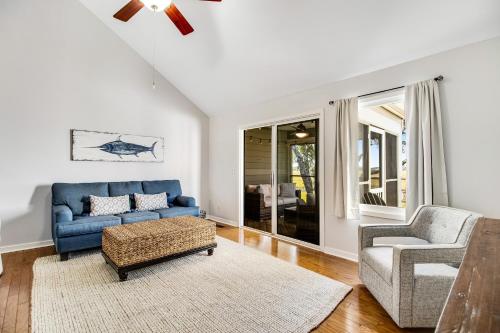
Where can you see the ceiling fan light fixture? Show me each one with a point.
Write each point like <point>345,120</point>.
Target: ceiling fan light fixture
<point>301,132</point>
<point>156,5</point>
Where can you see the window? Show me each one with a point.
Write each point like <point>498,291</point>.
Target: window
<point>381,148</point>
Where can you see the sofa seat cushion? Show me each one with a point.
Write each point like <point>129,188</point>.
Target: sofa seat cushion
<point>83,225</point>
<point>379,258</point>
<point>174,211</point>
<point>138,217</point>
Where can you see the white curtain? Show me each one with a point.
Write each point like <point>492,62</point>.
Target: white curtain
<point>345,190</point>
<point>426,180</point>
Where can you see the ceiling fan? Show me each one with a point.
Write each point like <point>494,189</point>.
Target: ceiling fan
<point>131,8</point>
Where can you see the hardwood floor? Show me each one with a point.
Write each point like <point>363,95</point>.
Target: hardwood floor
<point>15,288</point>
<point>358,312</point>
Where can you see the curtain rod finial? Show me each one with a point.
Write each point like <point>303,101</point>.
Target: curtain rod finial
<point>439,78</point>
<point>331,102</point>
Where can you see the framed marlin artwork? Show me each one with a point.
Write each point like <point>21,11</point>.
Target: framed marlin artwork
<point>115,147</point>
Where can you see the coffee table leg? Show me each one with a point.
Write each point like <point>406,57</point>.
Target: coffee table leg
<point>210,252</point>
<point>123,276</point>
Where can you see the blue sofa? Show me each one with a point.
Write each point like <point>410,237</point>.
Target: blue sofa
<point>72,227</point>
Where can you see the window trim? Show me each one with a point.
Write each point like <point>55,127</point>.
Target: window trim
<point>385,212</point>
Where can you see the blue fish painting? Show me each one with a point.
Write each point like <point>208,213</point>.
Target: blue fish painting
<point>119,147</point>
<point>113,147</point>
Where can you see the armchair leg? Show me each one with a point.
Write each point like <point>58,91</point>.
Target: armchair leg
<point>64,256</point>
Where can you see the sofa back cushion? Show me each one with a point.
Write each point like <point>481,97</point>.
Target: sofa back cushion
<point>251,188</point>
<point>287,190</point>
<point>76,196</point>
<point>171,187</point>
<point>117,189</point>
<point>266,190</point>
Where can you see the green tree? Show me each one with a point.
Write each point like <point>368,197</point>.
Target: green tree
<point>305,156</point>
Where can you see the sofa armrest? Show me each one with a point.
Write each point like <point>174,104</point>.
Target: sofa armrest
<point>185,201</point>
<point>367,232</point>
<point>61,213</point>
<point>254,199</point>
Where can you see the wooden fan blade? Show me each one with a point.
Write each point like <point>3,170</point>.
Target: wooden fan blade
<point>179,20</point>
<point>129,10</point>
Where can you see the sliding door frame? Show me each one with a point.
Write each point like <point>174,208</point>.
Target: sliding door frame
<point>274,123</point>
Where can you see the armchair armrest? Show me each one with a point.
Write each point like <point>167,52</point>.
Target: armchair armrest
<point>61,213</point>
<point>403,267</point>
<point>367,232</point>
<point>428,254</point>
<point>185,201</point>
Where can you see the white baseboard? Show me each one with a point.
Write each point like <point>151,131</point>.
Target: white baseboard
<point>25,246</point>
<point>341,253</point>
<point>222,220</point>
<point>328,250</point>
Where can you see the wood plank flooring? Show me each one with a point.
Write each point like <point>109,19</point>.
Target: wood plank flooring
<point>359,312</point>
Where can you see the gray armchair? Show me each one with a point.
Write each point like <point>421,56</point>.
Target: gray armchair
<point>412,282</point>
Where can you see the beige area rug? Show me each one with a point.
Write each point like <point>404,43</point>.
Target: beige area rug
<point>238,289</point>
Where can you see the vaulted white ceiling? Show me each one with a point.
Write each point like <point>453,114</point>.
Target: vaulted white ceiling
<point>245,52</point>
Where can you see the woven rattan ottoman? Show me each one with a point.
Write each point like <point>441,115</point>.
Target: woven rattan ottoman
<point>132,246</point>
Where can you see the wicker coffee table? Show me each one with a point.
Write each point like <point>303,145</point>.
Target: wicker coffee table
<point>132,246</point>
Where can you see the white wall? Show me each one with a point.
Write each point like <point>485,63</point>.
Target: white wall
<point>61,68</point>
<point>471,117</point>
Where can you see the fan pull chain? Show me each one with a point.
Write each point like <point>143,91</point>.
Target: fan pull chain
<point>155,10</point>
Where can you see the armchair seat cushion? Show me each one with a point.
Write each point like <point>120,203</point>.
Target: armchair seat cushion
<point>379,258</point>
<point>83,225</point>
<point>174,211</point>
<point>138,216</point>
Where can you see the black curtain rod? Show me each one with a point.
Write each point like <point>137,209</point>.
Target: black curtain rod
<point>439,78</point>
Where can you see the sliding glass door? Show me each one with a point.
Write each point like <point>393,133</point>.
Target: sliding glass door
<point>258,178</point>
<point>281,180</point>
<point>297,195</point>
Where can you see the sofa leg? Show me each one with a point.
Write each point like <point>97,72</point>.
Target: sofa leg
<point>64,256</point>
<point>210,252</point>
